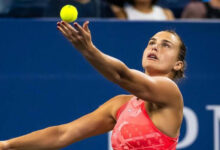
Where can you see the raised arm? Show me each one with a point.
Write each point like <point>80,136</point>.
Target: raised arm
<point>155,89</point>
<point>100,121</point>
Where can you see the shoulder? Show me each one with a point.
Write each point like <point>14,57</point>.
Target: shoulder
<point>169,88</point>
<point>119,100</point>
<point>114,104</point>
<point>169,14</point>
<point>168,83</point>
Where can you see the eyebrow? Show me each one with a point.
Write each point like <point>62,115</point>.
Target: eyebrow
<point>153,39</point>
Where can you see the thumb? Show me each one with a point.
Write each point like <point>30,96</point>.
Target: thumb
<point>86,26</point>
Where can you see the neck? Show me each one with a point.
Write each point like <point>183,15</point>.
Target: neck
<point>143,6</point>
<point>154,74</point>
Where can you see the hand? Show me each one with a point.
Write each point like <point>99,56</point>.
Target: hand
<point>79,36</point>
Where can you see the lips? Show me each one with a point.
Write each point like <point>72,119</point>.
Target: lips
<point>152,56</point>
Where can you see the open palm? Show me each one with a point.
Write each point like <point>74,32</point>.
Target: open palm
<point>79,36</point>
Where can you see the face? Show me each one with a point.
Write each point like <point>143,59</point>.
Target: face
<point>161,54</point>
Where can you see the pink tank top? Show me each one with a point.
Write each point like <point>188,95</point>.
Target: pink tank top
<point>134,130</point>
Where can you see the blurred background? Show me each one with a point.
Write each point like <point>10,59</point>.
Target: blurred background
<point>44,81</point>
<point>121,9</point>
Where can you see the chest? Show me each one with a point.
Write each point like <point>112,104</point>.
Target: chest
<point>134,128</point>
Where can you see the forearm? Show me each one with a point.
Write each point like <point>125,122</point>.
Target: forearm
<point>45,139</point>
<point>110,67</point>
<point>80,37</point>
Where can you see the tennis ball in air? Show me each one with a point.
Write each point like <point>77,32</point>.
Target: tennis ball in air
<point>68,13</point>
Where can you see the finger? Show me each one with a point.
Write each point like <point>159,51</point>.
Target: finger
<point>79,28</point>
<point>72,39</point>
<point>86,26</point>
<point>64,29</point>
<point>74,32</point>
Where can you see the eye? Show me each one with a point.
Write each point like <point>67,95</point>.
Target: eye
<point>166,45</point>
<point>151,42</point>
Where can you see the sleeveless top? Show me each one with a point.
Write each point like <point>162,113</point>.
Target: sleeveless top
<point>134,130</point>
<point>156,14</point>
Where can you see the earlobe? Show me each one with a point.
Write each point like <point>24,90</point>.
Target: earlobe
<point>178,65</point>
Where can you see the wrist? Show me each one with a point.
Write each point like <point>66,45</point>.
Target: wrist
<point>89,50</point>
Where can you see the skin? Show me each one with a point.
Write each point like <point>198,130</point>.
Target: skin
<point>163,100</point>
<point>143,6</point>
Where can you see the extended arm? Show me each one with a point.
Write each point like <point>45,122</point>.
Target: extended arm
<point>154,89</point>
<point>100,121</point>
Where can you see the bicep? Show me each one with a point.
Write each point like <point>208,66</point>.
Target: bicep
<point>153,89</point>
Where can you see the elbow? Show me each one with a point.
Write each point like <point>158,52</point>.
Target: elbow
<point>119,78</point>
<point>123,77</point>
<point>65,137</point>
<point>116,78</point>
<point>55,141</point>
<point>61,138</point>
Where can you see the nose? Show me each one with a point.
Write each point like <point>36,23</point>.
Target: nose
<point>155,48</point>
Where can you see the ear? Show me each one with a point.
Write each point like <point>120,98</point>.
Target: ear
<point>178,65</point>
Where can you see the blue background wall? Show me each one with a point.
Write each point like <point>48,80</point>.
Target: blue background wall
<point>44,81</point>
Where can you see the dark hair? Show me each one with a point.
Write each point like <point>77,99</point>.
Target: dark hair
<point>181,57</point>
<point>153,2</point>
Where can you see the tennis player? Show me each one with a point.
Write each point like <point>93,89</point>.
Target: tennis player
<point>148,119</point>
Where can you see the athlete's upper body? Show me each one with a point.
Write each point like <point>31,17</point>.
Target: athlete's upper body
<point>142,10</point>
<point>135,130</point>
<point>157,93</point>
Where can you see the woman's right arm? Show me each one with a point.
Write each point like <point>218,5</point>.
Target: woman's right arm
<point>100,121</point>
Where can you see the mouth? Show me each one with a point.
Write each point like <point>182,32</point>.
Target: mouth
<point>152,56</point>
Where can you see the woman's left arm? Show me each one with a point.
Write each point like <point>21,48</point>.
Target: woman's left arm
<point>155,89</point>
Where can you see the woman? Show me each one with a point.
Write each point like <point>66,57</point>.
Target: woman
<point>142,10</point>
<point>148,119</point>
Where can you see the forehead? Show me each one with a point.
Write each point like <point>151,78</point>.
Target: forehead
<point>163,35</point>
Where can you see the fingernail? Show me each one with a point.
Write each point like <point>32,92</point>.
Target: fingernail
<point>62,22</point>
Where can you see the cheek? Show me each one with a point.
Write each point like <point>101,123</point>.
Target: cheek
<point>169,59</point>
<point>144,56</point>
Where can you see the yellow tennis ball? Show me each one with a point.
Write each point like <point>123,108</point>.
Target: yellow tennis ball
<point>68,13</point>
